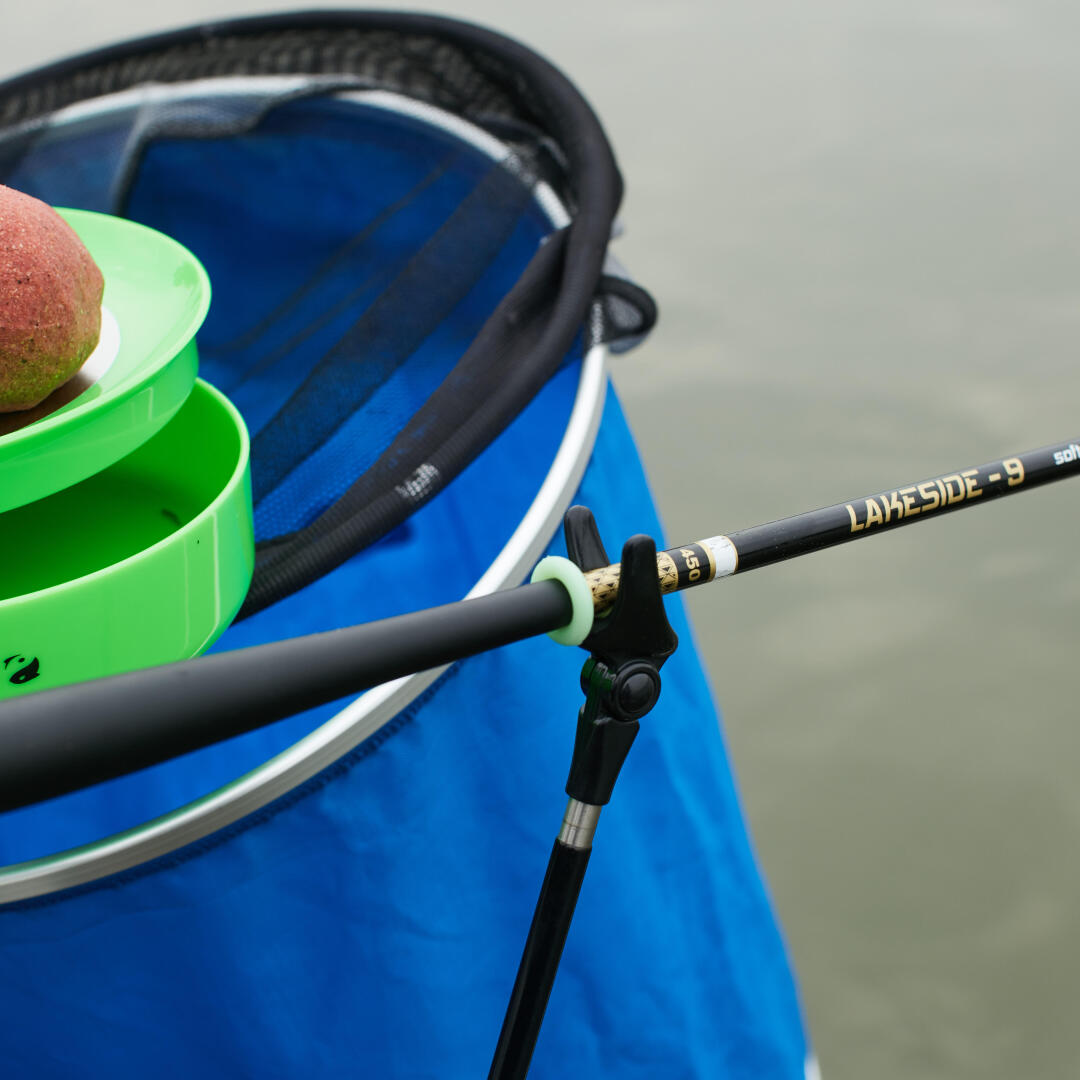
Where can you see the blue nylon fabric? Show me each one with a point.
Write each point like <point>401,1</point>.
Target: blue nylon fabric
<point>373,187</point>
<point>375,584</point>
<point>304,222</point>
<point>354,239</point>
<point>75,170</point>
<point>370,923</point>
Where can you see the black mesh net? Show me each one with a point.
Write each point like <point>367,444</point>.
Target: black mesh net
<point>408,323</point>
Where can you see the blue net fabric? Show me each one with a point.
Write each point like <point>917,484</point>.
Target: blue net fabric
<point>434,233</point>
<point>370,921</point>
<point>354,253</point>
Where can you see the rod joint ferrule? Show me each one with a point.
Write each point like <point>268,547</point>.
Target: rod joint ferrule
<point>579,825</point>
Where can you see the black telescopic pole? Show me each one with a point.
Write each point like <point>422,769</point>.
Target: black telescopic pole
<point>55,741</point>
<point>543,952</point>
<point>621,680</point>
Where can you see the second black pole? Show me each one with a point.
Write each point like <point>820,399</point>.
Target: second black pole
<point>621,681</point>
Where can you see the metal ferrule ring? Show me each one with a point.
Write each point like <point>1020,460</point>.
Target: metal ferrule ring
<point>579,824</point>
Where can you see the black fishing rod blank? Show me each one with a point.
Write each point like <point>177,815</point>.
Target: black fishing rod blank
<point>55,741</point>
<point>717,557</point>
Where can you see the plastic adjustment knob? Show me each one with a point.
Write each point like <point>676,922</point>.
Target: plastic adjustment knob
<point>636,691</point>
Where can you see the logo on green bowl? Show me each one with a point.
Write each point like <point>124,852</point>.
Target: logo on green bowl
<point>21,669</point>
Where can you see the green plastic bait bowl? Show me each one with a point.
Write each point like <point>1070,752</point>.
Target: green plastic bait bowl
<point>143,563</point>
<point>156,297</point>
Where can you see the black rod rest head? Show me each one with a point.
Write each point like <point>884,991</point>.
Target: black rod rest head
<point>628,646</point>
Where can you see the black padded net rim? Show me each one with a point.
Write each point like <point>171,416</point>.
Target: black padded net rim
<point>489,80</point>
<point>462,69</point>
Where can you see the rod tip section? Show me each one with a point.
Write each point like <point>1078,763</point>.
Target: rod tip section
<point>556,568</point>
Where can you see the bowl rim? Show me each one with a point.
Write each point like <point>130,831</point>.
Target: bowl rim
<point>61,438</point>
<point>178,536</point>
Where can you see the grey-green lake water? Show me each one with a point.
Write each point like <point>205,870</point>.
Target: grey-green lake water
<point>860,218</point>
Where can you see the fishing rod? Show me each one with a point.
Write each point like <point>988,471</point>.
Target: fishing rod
<point>718,557</point>
<point>56,741</point>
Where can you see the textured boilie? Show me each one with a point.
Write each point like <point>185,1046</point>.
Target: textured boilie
<point>50,301</point>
